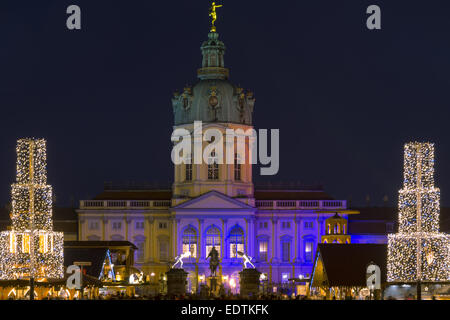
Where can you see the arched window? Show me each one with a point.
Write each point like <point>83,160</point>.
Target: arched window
<point>190,241</point>
<point>236,240</point>
<point>344,229</point>
<point>188,168</point>
<point>212,239</point>
<point>328,228</point>
<point>237,167</point>
<point>286,248</point>
<point>213,167</point>
<point>336,228</point>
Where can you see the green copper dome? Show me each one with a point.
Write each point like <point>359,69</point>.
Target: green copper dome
<point>213,98</point>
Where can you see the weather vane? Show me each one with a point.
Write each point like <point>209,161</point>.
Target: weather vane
<point>213,15</point>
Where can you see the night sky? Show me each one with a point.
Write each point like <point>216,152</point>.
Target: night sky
<point>345,98</point>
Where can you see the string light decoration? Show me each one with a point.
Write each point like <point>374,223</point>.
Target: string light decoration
<point>418,252</point>
<point>31,248</point>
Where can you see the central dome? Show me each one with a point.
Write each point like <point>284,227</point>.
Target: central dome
<point>214,98</point>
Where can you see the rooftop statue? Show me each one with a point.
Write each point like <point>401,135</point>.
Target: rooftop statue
<point>213,15</point>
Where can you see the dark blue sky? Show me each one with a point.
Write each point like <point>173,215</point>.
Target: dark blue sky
<point>345,99</point>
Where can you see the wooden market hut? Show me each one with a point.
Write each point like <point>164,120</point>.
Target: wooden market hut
<point>340,269</point>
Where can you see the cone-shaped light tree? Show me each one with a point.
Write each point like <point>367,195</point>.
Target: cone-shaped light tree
<point>418,252</point>
<point>31,249</point>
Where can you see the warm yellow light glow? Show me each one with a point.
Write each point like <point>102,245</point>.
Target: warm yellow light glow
<point>12,242</point>
<point>418,251</point>
<point>13,291</point>
<point>31,248</point>
<point>43,243</point>
<point>26,243</point>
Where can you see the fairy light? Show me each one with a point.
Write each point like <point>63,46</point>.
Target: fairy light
<point>418,252</point>
<point>31,248</point>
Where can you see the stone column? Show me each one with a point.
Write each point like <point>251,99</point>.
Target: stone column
<point>224,249</point>
<point>81,223</point>
<point>174,237</point>
<point>274,240</point>
<point>104,226</point>
<point>250,240</point>
<point>178,176</point>
<point>225,252</point>
<point>200,241</point>
<point>298,223</point>
<point>319,227</point>
<point>127,228</point>
<point>149,236</point>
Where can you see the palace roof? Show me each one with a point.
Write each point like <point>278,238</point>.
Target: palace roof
<point>261,193</point>
<point>374,220</point>
<point>98,244</point>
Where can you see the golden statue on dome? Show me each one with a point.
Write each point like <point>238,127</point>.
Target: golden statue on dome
<point>213,15</point>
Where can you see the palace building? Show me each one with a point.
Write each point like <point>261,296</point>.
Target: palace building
<point>213,204</point>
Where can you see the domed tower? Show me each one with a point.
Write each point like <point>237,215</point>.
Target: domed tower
<point>217,104</point>
<point>336,230</point>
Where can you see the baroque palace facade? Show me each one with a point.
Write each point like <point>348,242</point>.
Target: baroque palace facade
<point>215,204</point>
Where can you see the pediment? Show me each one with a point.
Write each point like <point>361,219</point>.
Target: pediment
<point>213,200</point>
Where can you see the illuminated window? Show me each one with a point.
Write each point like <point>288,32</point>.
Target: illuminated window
<point>263,249</point>
<point>328,229</point>
<point>236,240</point>
<point>190,241</point>
<point>309,245</point>
<point>213,167</point>
<point>212,239</point>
